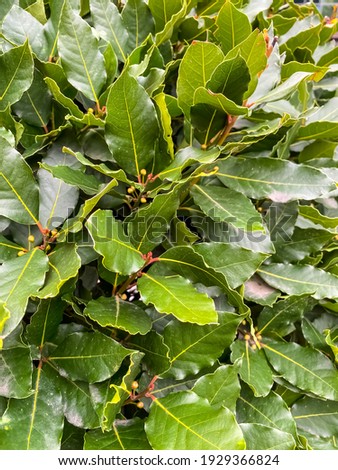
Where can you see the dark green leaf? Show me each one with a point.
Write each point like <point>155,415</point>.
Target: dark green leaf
<point>260,437</point>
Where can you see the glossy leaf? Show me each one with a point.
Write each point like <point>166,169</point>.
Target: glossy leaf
<point>225,205</point>
<point>156,352</point>
<point>111,242</point>
<point>116,313</point>
<point>91,357</point>
<point>270,178</point>
<point>131,125</point>
<point>233,27</point>
<point>81,58</point>
<point>17,285</point>
<point>8,249</point>
<point>296,280</point>
<point>16,372</point>
<point>304,367</point>
<point>193,347</point>
<point>173,424</point>
<point>175,295</point>
<point>261,437</point>
<point>36,422</point>
<point>317,417</point>
<point>138,20</point>
<point>126,435</point>
<point>45,321</point>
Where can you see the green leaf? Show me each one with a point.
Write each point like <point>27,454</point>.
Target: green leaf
<point>313,214</point>
<point>44,322</point>
<point>170,26</point>
<point>147,227</point>
<point>235,263</point>
<point>81,58</point>
<point>278,180</point>
<point>156,352</point>
<point>8,249</point>
<point>110,26</point>
<point>218,101</point>
<point>131,125</point>
<point>183,421</point>
<point>322,123</point>
<point>254,370</point>
<point>116,313</point>
<point>297,280</point>
<point>194,347</point>
<point>270,411</point>
<point>162,11</point>
<point>20,279</point>
<point>256,290</point>
<point>175,295</point>
<point>64,264</point>
<point>138,20</point>
<point>16,372</point>
<point>190,77</point>
<point>62,99</point>
<point>260,437</point>
<point>317,417</point>
<point>18,76</point>
<point>165,119</point>
<point>91,357</point>
<point>75,224</point>
<point>233,27</point>
<point>19,26</point>
<point>221,388</point>
<point>111,242</point>
<point>225,205</point>
<point>126,435</point>
<point>280,318</point>
<point>36,422</point>
<point>304,367</point>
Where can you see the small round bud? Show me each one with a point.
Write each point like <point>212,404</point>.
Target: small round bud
<point>21,253</point>
<point>140,405</point>
<point>260,209</point>
<point>216,168</point>
<point>130,190</point>
<point>143,172</point>
<point>134,385</point>
<point>48,248</point>
<point>204,146</point>
<point>90,110</point>
<point>54,232</point>
<point>246,337</point>
<point>244,322</point>
<point>259,337</point>
<point>124,297</point>
<point>143,200</point>
<point>31,238</point>
<point>253,346</point>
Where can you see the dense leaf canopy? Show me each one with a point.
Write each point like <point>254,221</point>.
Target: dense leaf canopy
<point>168,225</point>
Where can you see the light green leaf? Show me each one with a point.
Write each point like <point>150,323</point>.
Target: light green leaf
<point>233,27</point>
<point>296,280</point>
<point>221,388</point>
<point>175,295</point>
<point>225,205</point>
<point>20,26</point>
<point>254,369</point>
<point>109,24</point>
<point>219,102</point>
<point>36,422</point>
<point>138,20</point>
<point>236,263</point>
<point>317,417</point>
<point>81,58</point>
<point>313,214</point>
<point>20,279</point>
<point>322,123</point>
<point>191,77</point>
<point>126,435</point>
<point>131,125</point>
<point>112,243</point>
<point>166,122</point>
<point>185,421</point>
<point>162,11</point>
<point>278,180</point>
<point>304,367</point>
<point>17,77</point>
<point>16,372</point>
<point>116,313</point>
<point>64,264</point>
<point>91,357</point>
<point>194,347</point>
<point>260,437</point>
<point>172,23</point>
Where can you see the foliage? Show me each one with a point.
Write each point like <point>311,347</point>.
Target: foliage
<point>168,218</point>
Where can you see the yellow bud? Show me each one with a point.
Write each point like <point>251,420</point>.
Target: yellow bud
<point>244,322</point>
<point>124,297</point>
<point>216,168</point>
<point>253,347</point>
<point>90,110</point>
<point>134,385</point>
<point>140,404</point>
<point>259,337</point>
<point>143,172</point>
<point>31,238</point>
<point>48,247</point>
<point>247,337</point>
<point>54,232</point>
<point>260,209</point>
<point>21,253</point>
<point>130,190</point>
<point>143,200</point>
